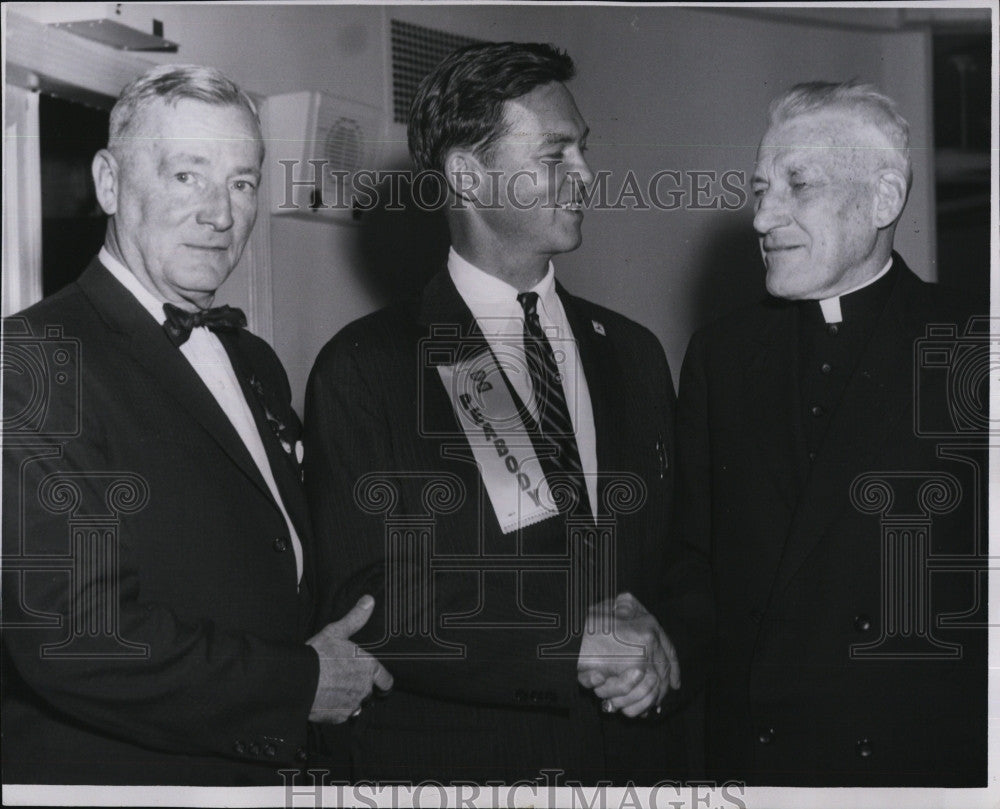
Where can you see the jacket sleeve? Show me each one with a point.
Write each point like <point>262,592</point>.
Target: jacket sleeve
<point>689,612</point>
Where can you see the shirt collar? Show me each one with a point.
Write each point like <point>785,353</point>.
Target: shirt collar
<point>488,297</point>
<point>127,278</point>
<point>831,306</point>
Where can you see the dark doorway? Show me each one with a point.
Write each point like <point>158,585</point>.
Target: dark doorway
<point>72,221</point>
<point>962,158</point>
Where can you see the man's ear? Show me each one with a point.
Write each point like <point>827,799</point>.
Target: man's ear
<point>105,169</point>
<point>890,197</point>
<point>464,173</point>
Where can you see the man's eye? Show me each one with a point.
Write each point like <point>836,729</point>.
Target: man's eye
<point>244,185</point>
<point>183,177</point>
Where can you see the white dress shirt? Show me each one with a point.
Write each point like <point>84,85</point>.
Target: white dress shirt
<point>831,306</point>
<point>500,318</point>
<point>211,362</point>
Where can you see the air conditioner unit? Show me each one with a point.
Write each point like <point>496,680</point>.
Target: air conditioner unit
<point>316,146</point>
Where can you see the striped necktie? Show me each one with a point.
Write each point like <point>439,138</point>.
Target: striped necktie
<point>554,428</point>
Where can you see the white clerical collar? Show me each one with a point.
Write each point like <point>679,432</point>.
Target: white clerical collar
<point>128,280</point>
<point>488,294</point>
<point>831,306</point>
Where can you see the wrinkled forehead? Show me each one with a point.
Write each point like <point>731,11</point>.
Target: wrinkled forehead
<point>830,138</point>
<point>188,123</point>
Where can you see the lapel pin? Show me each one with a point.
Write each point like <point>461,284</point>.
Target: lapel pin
<point>598,327</point>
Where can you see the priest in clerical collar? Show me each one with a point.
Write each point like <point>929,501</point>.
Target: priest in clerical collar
<point>805,478</point>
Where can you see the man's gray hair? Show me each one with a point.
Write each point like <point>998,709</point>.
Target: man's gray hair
<point>170,84</point>
<point>860,99</point>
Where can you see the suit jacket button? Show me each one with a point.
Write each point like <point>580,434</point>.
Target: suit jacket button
<point>281,544</point>
<point>301,755</point>
<point>864,748</point>
<point>239,748</point>
<point>269,751</point>
<point>254,749</point>
<point>766,735</point>
<point>862,623</point>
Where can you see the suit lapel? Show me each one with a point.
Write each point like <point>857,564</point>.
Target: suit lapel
<point>446,321</point>
<point>867,414</point>
<point>602,374</point>
<point>146,342</point>
<point>286,474</point>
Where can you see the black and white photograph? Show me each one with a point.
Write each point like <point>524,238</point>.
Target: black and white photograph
<point>554,404</point>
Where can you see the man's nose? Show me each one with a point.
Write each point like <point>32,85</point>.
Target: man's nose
<point>580,170</point>
<point>216,209</point>
<point>770,212</point>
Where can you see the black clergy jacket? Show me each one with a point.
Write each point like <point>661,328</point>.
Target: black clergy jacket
<point>847,562</point>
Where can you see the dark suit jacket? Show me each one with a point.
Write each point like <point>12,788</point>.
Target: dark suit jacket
<point>475,697</point>
<point>153,632</point>
<point>801,578</point>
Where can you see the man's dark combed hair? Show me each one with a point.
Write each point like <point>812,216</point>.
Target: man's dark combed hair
<point>460,102</point>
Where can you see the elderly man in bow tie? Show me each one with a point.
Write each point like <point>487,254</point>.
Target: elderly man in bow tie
<point>157,623</point>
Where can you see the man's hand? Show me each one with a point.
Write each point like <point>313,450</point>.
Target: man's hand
<point>626,657</point>
<point>346,672</point>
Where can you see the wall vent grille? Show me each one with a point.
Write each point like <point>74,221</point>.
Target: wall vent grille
<point>416,50</point>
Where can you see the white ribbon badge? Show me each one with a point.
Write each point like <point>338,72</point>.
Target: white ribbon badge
<point>495,430</point>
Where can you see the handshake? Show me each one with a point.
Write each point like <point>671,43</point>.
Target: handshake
<point>626,658</point>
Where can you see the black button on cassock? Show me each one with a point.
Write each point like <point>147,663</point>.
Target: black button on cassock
<point>862,623</point>
<point>766,736</point>
<point>817,410</point>
<point>239,748</point>
<point>281,544</point>
<point>270,751</point>
<point>864,748</point>
<point>825,368</point>
<point>301,755</point>
<point>756,615</point>
<point>833,329</point>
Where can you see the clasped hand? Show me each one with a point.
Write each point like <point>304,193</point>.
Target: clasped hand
<point>626,657</point>
<point>346,671</point>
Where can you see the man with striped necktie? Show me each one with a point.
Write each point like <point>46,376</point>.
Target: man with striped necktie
<point>494,459</point>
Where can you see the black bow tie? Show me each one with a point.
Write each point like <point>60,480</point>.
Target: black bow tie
<point>179,321</point>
